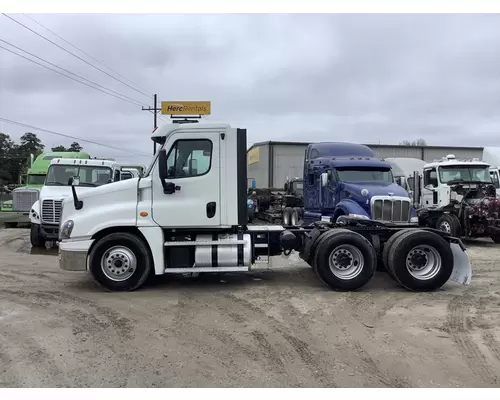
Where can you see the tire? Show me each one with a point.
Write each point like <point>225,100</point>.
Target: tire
<point>387,248</point>
<point>287,216</point>
<point>436,252</point>
<point>449,223</point>
<point>345,246</point>
<point>496,239</point>
<point>294,217</point>
<point>125,247</point>
<point>37,240</point>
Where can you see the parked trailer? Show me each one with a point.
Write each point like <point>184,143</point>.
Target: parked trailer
<point>278,205</point>
<point>177,219</point>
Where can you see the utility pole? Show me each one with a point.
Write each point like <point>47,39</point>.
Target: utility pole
<point>155,111</point>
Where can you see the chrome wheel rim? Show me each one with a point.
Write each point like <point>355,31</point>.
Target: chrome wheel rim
<point>423,262</point>
<point>118,263</point>
<point>346,262</point>
<point>445,227</point>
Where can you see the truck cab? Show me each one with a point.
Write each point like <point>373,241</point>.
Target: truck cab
<point>45,213</point>
<point>438,177</point>
<point>24,197</point>
<point>346,179</point>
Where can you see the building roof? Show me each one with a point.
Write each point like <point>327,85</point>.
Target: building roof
<point>372,145</point>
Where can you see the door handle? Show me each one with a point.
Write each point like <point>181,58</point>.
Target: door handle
<point>211,209</point>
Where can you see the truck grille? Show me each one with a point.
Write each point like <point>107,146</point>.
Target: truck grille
<point>51,211</point>
<point>23,199</point>
<point>391,209</point>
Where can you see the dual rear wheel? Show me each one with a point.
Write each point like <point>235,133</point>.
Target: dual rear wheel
<point>416,259</point>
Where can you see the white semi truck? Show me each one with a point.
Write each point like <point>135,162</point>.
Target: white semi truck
<point>460,198</point>
<point>45,213</point>
<point>188,214</point>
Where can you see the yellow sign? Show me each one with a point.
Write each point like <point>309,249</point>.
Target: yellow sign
<point>186,107</point>
<point>253,156</point>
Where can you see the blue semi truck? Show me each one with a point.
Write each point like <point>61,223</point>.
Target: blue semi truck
<point>344,179</point>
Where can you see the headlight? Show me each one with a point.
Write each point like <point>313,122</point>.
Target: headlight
<point>66,229</point>
<point>414,220</point>
<point>34,214</point>
<point>358,216</point>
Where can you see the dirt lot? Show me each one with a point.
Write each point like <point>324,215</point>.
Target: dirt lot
<point>265,329</point>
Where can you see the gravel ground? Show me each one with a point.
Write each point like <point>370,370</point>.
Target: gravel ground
<point>271,328</point>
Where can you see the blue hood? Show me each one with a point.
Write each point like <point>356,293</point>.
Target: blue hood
<point>379,188</point>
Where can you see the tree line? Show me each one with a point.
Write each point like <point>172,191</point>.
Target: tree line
<point>15,157</point>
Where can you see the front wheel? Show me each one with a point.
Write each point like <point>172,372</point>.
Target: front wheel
<point>450,224</point>
<point>36,238</point>
<point>120,262</point>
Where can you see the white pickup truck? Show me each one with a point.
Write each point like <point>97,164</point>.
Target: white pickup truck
<point>188,214</point>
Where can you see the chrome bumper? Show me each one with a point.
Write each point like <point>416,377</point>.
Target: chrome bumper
<point>73,260</point>
<point>73,255</point>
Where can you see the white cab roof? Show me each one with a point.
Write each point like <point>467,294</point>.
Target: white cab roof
<point>166,129</point>
<point>82,161</point>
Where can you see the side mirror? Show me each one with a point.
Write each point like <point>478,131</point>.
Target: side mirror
<point>429,187</point>
<point>286,187</point>
<point>162,164</point>
<point>324,179</point>
<point>402,181</point>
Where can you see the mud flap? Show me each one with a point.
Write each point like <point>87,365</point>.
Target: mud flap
<point>462,268</point>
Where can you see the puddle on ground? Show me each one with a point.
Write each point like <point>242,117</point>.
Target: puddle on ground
<point>50,249</point>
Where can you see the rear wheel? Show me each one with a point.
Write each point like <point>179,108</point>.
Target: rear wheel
<point>450,224</point>
<point>345,260</point>
<point>120,262</point>
<point>36,238</point>
<point>420,260</point>
<point>387,248</point>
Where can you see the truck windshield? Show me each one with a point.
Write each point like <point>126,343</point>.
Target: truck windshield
<point>364,174</point>
<point>465,173</point>
<point>36,179</point>
<point>58,175</point>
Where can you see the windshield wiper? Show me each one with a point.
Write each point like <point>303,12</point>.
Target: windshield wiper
<point>87,184</point>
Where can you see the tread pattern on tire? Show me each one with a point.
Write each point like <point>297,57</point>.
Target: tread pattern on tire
<point>35,238</point>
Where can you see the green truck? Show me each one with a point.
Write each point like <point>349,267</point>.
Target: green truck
<point>24,197</point>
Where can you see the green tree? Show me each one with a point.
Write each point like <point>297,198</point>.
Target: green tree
<point>74,147</point>
<point>58,148</point>
<point>7,160</point>
<point>418,142</point>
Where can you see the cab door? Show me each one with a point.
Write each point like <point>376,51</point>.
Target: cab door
<point>193,168</point>
<point>430,186</point>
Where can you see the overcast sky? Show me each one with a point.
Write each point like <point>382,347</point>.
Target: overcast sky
<point>361,78</point>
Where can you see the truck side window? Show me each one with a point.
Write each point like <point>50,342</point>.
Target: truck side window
<point>430,177</point>
<point>188,158</point>
<point>494,179</point>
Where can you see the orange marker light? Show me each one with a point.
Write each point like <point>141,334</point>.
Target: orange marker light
<point>143,214</point>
